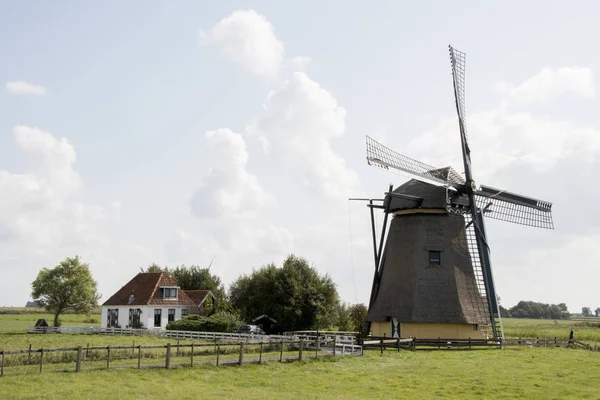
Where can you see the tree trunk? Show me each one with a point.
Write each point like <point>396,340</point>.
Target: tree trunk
<point>56,315</point>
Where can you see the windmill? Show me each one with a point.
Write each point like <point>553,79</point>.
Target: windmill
<point>433,276</point>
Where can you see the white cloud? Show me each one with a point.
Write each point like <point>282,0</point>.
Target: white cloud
<point>42,219</point>
<point>248,38</point>
<point>501,139</point>
<point>302,120</point>
<point>22,87</point>
<point>228,189</point>
<point>571,263</point>
<point>550,83</point>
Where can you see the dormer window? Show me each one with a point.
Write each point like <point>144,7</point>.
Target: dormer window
<point>168,293</point>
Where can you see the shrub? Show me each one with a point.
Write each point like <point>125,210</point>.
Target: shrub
<point>218,322</point>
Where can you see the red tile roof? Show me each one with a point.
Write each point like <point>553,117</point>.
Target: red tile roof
<point>198,296</point>
<point>144,288</point>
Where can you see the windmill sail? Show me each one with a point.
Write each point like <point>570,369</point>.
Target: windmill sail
<point>515,208</point>
<point>383,157</point>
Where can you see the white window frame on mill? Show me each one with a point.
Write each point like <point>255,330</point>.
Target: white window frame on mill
<point>169,292</point>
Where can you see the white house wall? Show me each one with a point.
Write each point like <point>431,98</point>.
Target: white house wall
<point>146,317</point>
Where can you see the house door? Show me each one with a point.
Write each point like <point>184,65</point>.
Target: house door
<point>395,327</point>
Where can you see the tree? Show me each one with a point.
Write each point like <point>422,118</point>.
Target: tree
<point>155,268</point>
<point>67,287</point>
<point>597,312</point>
<point>344,317</point>
<point>291,294</point>
<point>358,314</point>
<point>197,278</point>
<point>586,312</point>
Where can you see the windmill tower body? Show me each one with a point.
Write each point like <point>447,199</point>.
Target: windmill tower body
<point>433,277</point>
<point>427,287</point>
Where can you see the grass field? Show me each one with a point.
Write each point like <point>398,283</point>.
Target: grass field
<point>20,322</point>
<point>584,329</point>
<point>509,374</point>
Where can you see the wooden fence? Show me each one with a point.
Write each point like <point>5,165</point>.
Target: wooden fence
<point>168,356</point>
<point>470,344</point>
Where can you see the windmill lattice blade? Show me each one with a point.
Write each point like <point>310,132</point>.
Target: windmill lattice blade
<point>510,207</point>
<point>383,157</point>
<point>458,62</point>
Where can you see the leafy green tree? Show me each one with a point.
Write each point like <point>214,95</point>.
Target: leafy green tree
<point>531,309</point>
<point>344,317</point>
<point>358,314</point>
<point>155,268</point>
<point>597,312</point>
<point>197,278</point>
<point>291,294</point>
<point>586,312</point>
<point>67,287</point>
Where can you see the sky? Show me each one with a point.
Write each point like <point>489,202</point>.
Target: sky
<point>234,133</point>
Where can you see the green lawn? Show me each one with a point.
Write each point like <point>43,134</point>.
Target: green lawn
<point>510,373</point>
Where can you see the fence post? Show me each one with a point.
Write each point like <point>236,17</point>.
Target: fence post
<point>261,351</point>
<point>300,350</point>
<point>381,346</point>
<point>281,352</point>
<point>334,344</point>
<point>177,345</point>
<point>241,353</point>
<point>107,357</point>
<point>2,365</point>
<point>469,342</point>
<point>218,351</point>
<point>439,343</point>
<point>41,360</point>
<point>140,356</point>
<point>168,360</point>
<point>352,348</point>
<point>78,362</point>
<point>87,349</point>
<point>192,356</point>
<point>133,348</point>
<point>398,344</point>
<point>29,355</point>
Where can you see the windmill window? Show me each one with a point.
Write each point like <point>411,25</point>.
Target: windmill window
<point>435,258</point>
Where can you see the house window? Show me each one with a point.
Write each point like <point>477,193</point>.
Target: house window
<point>112,318</point>
<point>171,314</point>
<point>434,259</point>
<point>475,327</point>
<point>157,317</point>
<point>184,312</point>
<point>134,318</point>
<point>168,293</point>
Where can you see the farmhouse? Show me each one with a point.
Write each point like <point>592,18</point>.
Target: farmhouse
<point>150,300</point>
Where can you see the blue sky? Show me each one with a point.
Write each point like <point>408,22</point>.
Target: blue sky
<point>133,90</point>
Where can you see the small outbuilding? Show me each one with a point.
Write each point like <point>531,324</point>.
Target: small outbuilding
<point>266,323</point>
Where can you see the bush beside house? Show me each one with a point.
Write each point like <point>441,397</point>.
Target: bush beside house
<point>218,322</point>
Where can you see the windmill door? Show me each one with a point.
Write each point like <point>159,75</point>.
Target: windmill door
<point>395,328</point>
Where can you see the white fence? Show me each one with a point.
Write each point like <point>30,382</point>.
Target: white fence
<point>341,341</point>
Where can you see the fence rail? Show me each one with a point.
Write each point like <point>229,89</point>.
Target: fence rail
<point>169,355</point>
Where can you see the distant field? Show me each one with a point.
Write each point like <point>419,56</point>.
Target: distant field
<point>20,322</point>
<point>521,373</point>
<point>584,329</point>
